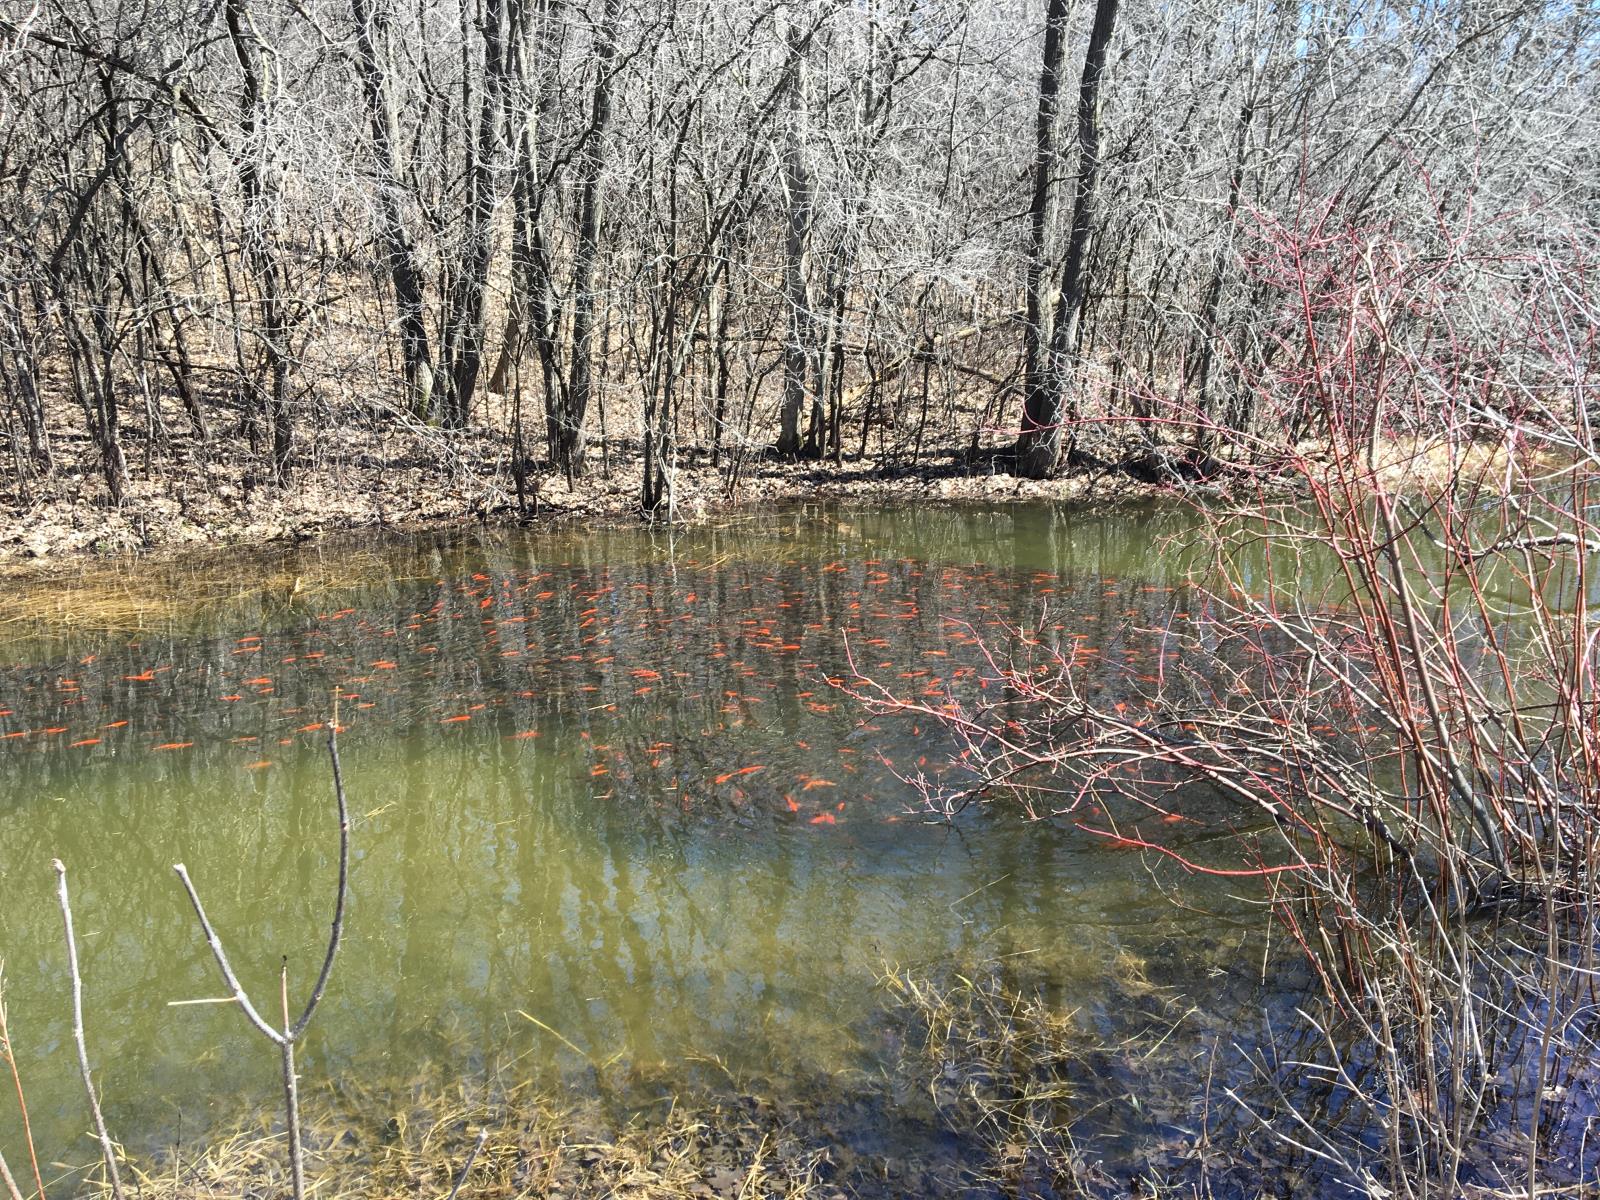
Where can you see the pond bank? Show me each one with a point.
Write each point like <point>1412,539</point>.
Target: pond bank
<point>187,503</point>
<point>418,483</point>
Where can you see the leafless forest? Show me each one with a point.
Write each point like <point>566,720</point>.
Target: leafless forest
<point>249,247</point>
<point>1032,235</point>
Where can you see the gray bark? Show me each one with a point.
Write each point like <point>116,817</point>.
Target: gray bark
<point>1046,411</point>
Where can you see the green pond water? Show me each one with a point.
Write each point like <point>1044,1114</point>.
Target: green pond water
<point>598,778</point>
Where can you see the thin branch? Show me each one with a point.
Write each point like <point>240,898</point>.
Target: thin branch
<point>106,1148</point>
<point>336,933</point>
<point>286,1038</point>
<point>16,1079</point>
<point>466,1167</point>
<point>217,952</point>
<point>11,1184</point>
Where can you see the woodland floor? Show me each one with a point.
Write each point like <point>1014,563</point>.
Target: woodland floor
<point>189,493</point>
<point>355,472</point>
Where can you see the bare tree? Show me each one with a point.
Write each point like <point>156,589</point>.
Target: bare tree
<point>795,219</point>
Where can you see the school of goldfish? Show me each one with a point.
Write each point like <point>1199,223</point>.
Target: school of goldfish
<point>694,683</point>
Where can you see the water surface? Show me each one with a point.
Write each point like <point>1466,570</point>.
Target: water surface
<point>600,779</point>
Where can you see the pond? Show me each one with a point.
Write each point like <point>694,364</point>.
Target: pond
<point>608,811</point>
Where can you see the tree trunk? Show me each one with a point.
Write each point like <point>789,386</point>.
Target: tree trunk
<point>22,381</point>
<point>1208,333</point>
<point>571,447</point>
<point>1046,412</point>
<point>260,245</point>
<point>1041,210</point>
<point>800,342</point>
<point>404,273</point>
<point>464,336</point>
<point>531,107</point>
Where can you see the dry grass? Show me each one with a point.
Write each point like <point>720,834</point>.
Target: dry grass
<point>141,595</point>
<point>362,1145</point>
<point>1003,1065</point>
<point>1414,464</point>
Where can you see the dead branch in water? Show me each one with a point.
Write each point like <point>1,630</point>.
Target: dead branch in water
<point>107,1150</point>
<point>5,1177</point>
<point>22,1100</point>
<point>289,1036</point>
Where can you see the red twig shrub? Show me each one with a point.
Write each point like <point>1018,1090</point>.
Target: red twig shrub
<point>1394,675</point>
